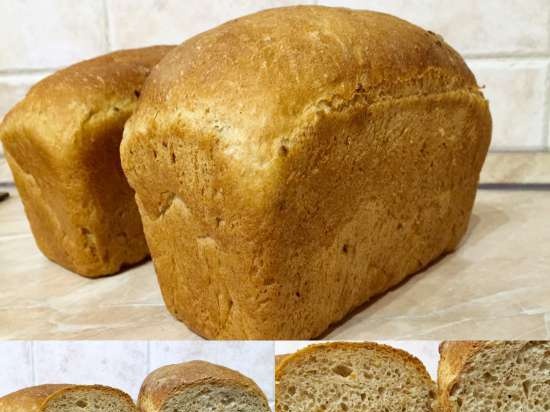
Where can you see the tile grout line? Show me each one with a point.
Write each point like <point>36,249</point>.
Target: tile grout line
<point>107,25</point>
<point>546,111</point>
<point>33,369</point>
<point>148,353</point>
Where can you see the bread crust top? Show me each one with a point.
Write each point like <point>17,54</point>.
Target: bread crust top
<point>58,106</point>
<point>255,78</point>
<point>35,398</point>
<point>168,380</point>
<point>402,355</point>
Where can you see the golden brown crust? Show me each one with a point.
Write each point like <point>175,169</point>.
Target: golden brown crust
<point>279,359</point>
<point>262,152</point>
<point>160,384</point>
<point>62,144</point>
<point>266,54</point>
<point>453,357</point>
<point>386,350</point>
<point>36,398</point>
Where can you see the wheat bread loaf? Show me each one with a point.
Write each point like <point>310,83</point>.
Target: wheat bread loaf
<point>62,145</point>
<point>292,164</point>
<point>354,377</point>
<point>490,376</point>
<point>67,398</point>
<point>198,386</point>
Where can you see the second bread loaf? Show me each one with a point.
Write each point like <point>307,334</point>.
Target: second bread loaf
<point>62,145</point>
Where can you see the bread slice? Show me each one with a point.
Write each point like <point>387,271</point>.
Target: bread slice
<point>62,145</point>
<point>488,376</point>
<point>292,164</point>
<point>352,377</point>
<point>198,386</point>
<point>67,398</point>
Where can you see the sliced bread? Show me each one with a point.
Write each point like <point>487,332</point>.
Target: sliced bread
<point>354,377</point>
<point>507,376</point>
<point>67,398</point>
<point>200,386</point>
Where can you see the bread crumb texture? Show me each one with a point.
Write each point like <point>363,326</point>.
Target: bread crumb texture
<point>504,376</point>
<point>68,398</point>
<point>352,377</point>
<point>198,386</point>
<point>291,164</point>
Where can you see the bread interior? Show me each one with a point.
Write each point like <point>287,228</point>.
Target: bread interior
<point>505,377</point>
<point>353,380</point>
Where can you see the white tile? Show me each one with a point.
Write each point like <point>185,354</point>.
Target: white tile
<point>516,93</point>
<point>427,351</point>
<point>120,364</point>
<point>15,366</point>
<point>147,22</point>
<point>50,33</point>
<point>472,26</point>
<point>253,359</point>
<point>14,87</point>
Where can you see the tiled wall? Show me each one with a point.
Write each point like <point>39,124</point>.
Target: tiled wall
<point>506,42</point>
<point>124,364</point>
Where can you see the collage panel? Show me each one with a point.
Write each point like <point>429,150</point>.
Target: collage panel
<point>152,376</point>
<point>418,376</point>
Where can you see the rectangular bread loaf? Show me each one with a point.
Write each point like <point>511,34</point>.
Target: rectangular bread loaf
<point>62,145</point>
<point>292,164</point>
<point>67,398</point>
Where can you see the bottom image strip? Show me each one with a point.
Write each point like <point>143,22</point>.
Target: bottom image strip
<point>287,376</point>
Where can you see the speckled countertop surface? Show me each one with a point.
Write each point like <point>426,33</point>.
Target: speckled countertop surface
<point>497,285</point>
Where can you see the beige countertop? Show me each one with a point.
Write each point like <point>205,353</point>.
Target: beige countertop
<point>497,285</point>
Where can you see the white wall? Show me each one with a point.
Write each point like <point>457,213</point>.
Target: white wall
<point>506,42</point>
<point>124,364</point>
<point>425,350</point>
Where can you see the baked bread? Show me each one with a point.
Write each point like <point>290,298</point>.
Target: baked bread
<point>507,376</point>
<point>292,164</point>
<point>200,386</point>
<point>354,377</point>
<point>62,145</point>
<point>67,398</point>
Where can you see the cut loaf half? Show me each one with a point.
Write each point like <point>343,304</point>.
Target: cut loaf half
<point>67,398</point>
<point>354,377</point>
<point>504,376</point>
<point>200,386</point>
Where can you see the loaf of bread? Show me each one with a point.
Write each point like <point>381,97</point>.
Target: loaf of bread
<point>198,386</point>
<point>292,164</point>
<point>490,376</point>
<point>353,377</point>
<point>62,145</point>
<point>67,398</point>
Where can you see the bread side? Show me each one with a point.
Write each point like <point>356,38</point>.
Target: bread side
<point>506,376</point>
<point>352,377</point>
<point>67,398</point>
<point>62,145</point>
<point>199,385</point>
<point>300,161</point>
<point>29,399</point>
